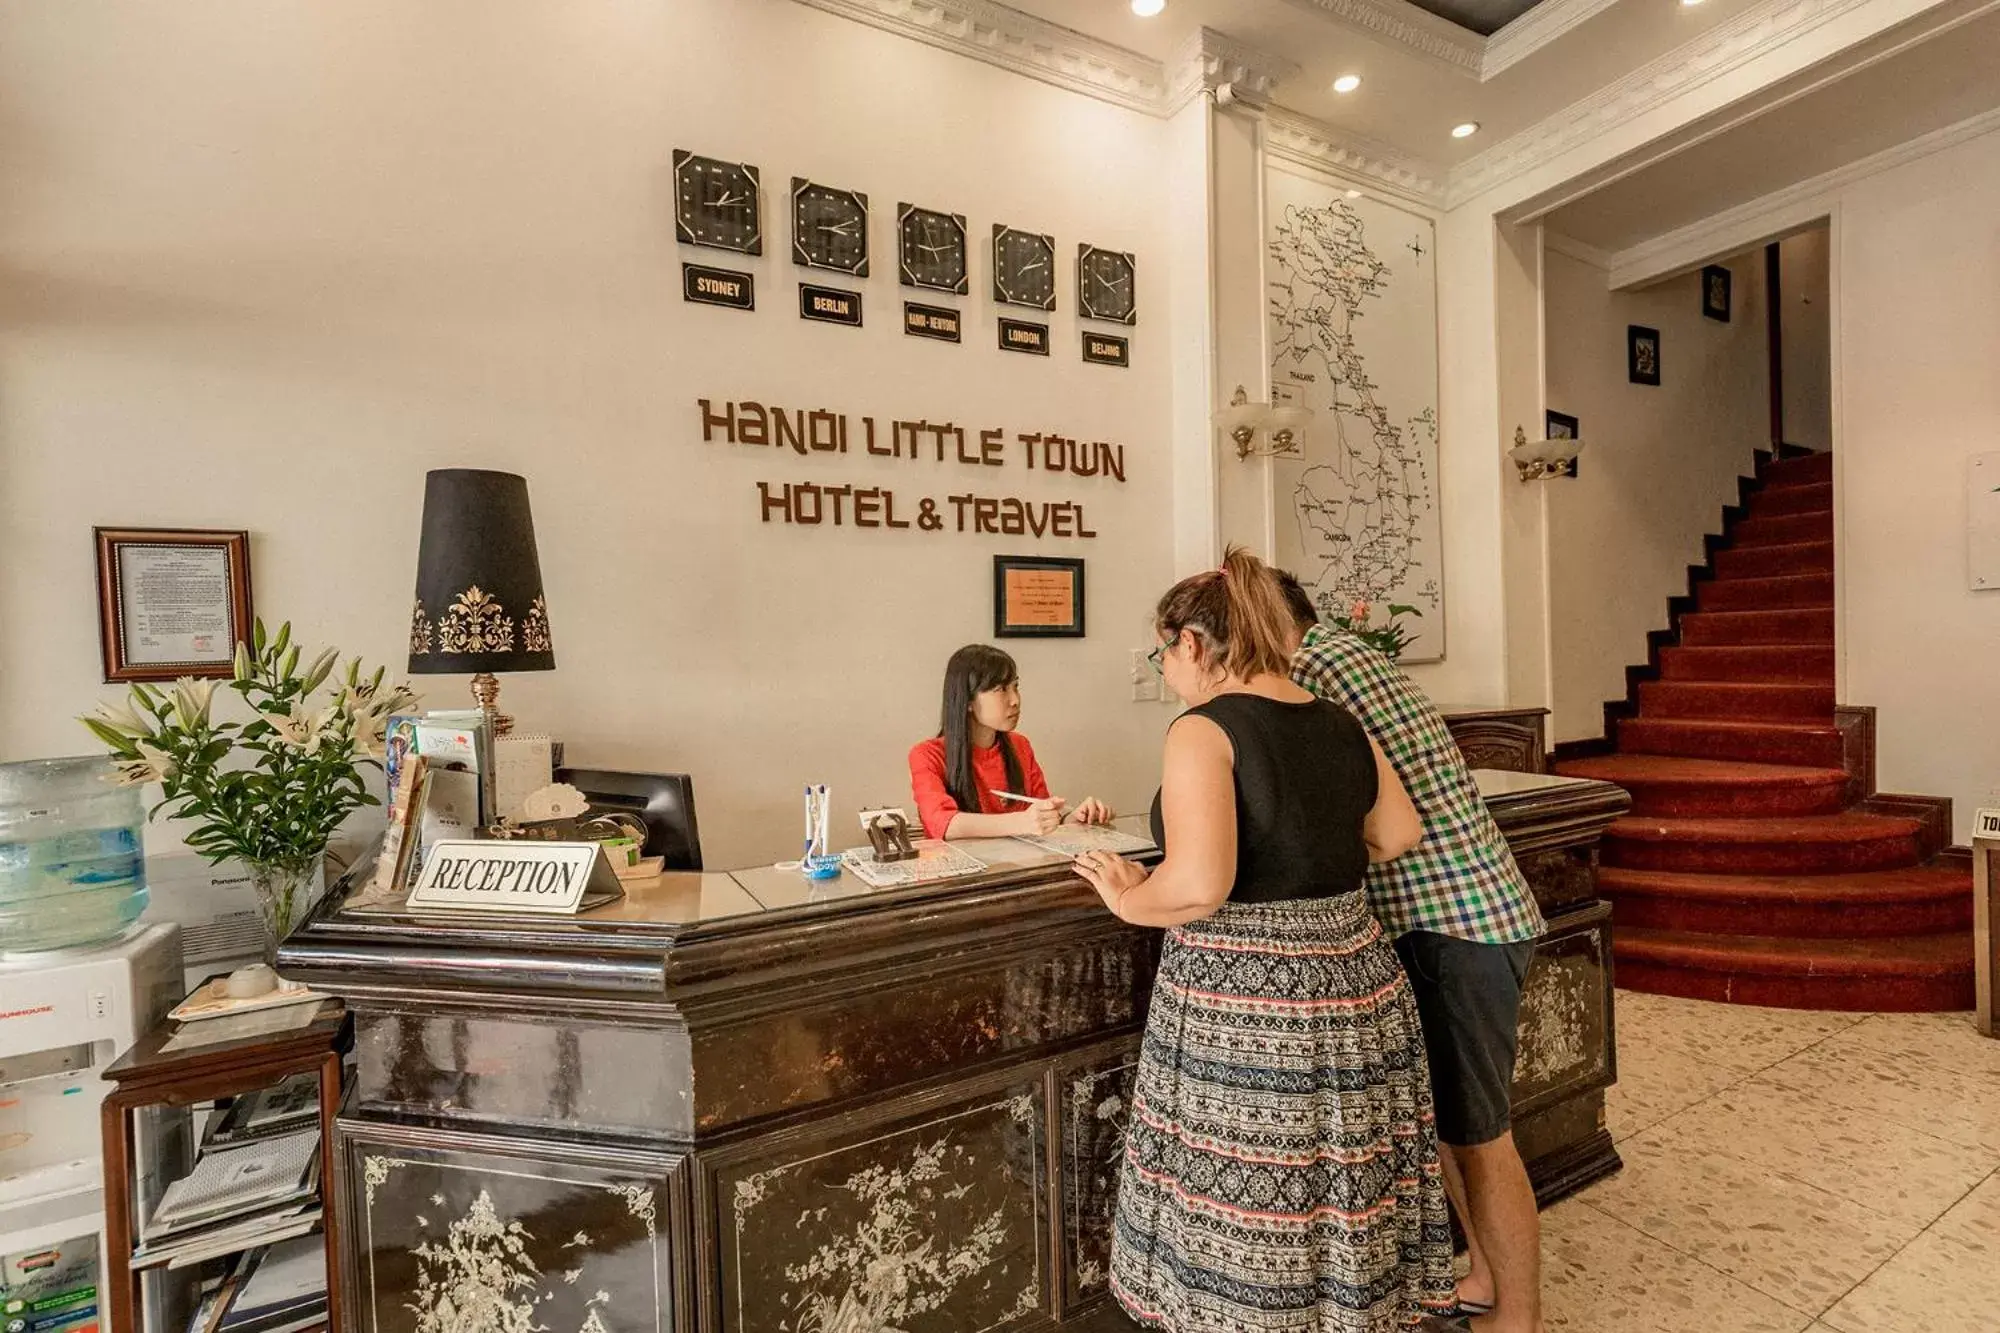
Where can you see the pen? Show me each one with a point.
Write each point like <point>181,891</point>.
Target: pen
<point>1024,800</point>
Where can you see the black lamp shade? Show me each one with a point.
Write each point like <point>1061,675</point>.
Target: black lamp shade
<point>479,581</point>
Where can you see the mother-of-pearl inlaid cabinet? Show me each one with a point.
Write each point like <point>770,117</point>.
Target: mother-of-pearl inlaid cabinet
<point>752,1103</point>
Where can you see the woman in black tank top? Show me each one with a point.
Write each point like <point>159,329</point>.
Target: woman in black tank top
<point>1281,1167</point>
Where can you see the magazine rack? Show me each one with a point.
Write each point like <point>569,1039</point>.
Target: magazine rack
<point>151,1075</point>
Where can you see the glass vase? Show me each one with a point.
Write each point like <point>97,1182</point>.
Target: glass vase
<point>286,891</point>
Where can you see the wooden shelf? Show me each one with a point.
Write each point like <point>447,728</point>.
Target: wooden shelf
<point>152,1075</point>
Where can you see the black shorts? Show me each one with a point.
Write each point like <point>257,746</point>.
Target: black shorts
<point>1469,996</point>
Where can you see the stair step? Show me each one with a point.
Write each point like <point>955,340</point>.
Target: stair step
<point>1755,662</point>
<point>1721,629</point>
<point>1782,529</point>
<point>1897,974</point>
<point>1761,562</point>
<point>1805,499</point>
<point>1777,593</point>
<point>1674,787</point>
<point>1920,900</point>
<point>1805,744</point>
<point>1803,470</point>
<point>1742,700</point>
<point>1797,845</point>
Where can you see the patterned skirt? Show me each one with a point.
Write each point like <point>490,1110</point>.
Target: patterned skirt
<point>1281,1164</point>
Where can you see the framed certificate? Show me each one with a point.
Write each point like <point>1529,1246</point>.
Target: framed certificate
<point>170,602</point>
<point>1037,597</point>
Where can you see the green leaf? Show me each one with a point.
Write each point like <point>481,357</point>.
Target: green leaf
<point>120,745</point>
<point>1396,609</point>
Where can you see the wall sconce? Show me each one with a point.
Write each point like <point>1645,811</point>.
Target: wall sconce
<point>1539,460</point>
<point>1281,426</point>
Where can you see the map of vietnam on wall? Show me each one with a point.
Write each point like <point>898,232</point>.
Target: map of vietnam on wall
<point>1353,310</point>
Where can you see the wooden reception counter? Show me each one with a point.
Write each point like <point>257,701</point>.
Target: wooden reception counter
<point>757,1104</point>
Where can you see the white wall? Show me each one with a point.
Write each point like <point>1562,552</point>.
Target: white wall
<point>1806,333</point>
<point>1658,464</point>
<point>1916,263</point>
<point>261,266</point>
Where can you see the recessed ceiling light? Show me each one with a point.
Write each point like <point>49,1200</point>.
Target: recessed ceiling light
<point>1145,9</point>
<point>1465,131</point>
<point>1354,194</point>
<point>1347,83</point>
<point>1690,4</point>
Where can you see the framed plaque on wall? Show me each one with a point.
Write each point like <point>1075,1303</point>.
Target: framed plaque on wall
<point>1037,597</point>
<point>171,602</point>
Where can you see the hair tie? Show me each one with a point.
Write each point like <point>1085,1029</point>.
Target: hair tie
<point>1223,570</point>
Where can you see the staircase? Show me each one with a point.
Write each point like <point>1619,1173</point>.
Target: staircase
<point>1749,869</point>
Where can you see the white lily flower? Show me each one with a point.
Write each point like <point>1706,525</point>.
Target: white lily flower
<point>301,728</point>
<point>152,765</point>
<point>370,735</point>
<point>192,698</point>
<point>122,720</point>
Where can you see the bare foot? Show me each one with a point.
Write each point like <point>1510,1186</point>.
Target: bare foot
<point>1498,1323</point>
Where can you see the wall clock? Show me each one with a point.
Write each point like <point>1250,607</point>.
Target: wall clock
<point>1024,268</point>
<point>931,247</point>
<point>717,204</point>
<point>829,227</point>
<point>1105,285</point>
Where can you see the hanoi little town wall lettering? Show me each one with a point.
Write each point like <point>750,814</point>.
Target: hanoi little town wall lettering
<point>824,435</point>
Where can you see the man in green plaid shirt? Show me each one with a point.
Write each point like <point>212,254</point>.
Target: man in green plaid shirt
<point>1464,921</point>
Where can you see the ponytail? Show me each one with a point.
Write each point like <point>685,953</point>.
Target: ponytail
<point>1238,612</point>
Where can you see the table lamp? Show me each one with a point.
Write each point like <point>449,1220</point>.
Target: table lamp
<point>479,606</point>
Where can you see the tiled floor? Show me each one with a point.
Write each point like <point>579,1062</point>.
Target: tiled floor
<point>1788,1172</point>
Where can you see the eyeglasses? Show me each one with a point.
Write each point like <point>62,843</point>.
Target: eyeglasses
<point>1156,657</point>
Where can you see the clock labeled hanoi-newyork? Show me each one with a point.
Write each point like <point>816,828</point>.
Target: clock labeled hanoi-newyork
<point>931,249</point>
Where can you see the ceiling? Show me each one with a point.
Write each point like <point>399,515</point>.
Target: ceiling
<point>1408,100</point>
<point>1899,97</point>
<point>1484,17</point>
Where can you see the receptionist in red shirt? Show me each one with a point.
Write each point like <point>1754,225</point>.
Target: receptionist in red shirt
<point>959,775</point>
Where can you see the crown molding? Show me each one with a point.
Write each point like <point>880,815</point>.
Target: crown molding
<point>1782,211</point>
<point>1558,243</point>
<point>1306,142</point>
<point>1208,60</point>
<point>1021,43</point>
<point>1719,51</point>
<point>1543,24</point>
<point>1420,30</point>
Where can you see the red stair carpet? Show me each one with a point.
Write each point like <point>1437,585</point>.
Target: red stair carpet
<point>1743,873</point>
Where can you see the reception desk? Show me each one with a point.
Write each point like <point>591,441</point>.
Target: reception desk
<point>757,1104</point>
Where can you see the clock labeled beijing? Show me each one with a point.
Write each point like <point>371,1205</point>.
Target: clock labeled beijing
<point>1106,285</point>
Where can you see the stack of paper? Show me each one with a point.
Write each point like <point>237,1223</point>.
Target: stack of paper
<point>285,1108</point>
<point>252,1194</point>
<point>281,1289</point>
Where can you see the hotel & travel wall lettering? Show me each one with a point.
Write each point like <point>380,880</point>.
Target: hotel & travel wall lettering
<point>819,433</point>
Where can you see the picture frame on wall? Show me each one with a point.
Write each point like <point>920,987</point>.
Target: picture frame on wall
<point>1037,597</point>
<point>1642,354</point>
<point>171,602</point>
<point>1715,286</point>
<point>1562,426</point>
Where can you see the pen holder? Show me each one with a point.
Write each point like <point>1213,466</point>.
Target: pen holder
<point>820,866</point>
